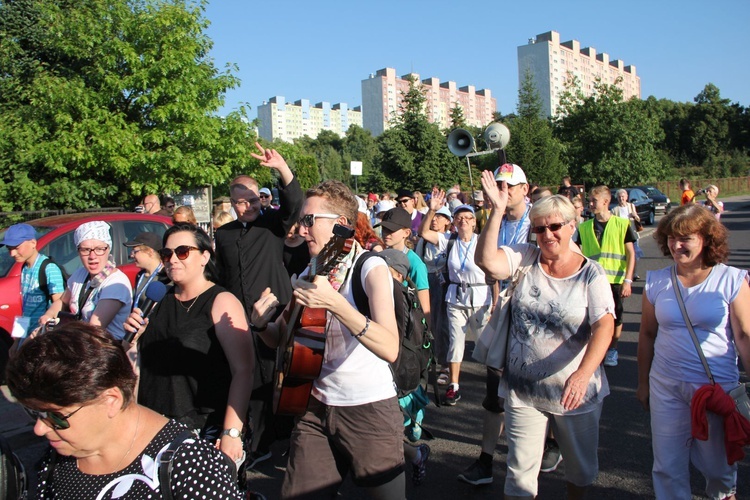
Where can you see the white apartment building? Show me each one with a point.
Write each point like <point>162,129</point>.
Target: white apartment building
<point>288,121</point>
<point>551,62</point>
<point>383,91</point>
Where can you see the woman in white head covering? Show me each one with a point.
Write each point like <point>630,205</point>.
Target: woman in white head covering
<point>97,293</point>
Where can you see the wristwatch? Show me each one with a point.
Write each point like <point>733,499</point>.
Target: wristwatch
<point>234,433</point>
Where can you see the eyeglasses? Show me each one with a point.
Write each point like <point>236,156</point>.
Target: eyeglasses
<point>264,196</point>
<point>242,202</point>
<point>53,419</point>
<point>309,219</point>
<point>97,251</point>
<point>181,252</point>
<point>135,250</point>
<point>460,219</point>
<point>405,200</point>
<point>554,227</point>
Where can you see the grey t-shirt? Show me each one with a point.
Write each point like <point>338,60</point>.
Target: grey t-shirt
<point>550,331</point>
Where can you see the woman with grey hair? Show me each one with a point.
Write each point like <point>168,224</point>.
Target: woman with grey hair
<point>562,323</point>
<point>97,293</point>
<point>713,205</point>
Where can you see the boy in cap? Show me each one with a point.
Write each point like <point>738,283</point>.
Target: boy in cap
<point>36,295</point>
<point>406,201</point>
<point>396,229</point>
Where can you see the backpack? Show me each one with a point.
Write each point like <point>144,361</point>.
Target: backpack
<point>415,354</point>
<point>43,285</point>
<point>12,474</point>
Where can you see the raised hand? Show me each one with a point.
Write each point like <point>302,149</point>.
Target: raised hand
<point>264,308</point>
<point>437,200</point>
<point>269,158</point>
<point>496,196</point>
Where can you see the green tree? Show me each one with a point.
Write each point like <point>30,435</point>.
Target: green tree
<point>360,145</point>
<point>104,101</point>
<point>609,141</point>
<point>457,117</point>
<point>413,153</point>
<point>532,144</point>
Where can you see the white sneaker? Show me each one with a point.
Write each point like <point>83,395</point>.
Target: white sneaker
<point>611,358</point>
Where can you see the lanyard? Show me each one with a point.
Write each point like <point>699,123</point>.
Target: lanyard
<point>514,239</point>
<point>139,289</point>
<point>466,254</point>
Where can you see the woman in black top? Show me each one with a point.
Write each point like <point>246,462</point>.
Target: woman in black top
<point>195,347</point>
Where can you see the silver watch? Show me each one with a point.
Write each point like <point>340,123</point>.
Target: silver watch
<point>234,433</point>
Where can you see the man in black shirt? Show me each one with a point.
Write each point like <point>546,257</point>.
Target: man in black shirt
<point>566,189</point>
<point>249,255</point>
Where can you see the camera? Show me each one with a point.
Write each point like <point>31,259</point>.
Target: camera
<point>702,191</point>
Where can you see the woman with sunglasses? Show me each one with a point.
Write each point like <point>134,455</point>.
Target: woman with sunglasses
<point>195,348</point>
<point>97,293</point>
<point>78,385</point>
<point>562,323</point>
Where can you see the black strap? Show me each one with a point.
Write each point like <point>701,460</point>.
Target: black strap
<point>43,285</point>
<point>84,294</point>
<point>166,464</point>
<point>696,343</point>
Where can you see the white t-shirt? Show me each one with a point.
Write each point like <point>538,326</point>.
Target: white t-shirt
<point>707,305</point>
<point>351,374</point>
<point>550,332</point>
<point>462,269</point>
<point>433,257</point>
<point>116,287</point>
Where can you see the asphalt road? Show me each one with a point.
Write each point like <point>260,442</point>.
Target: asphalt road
<point>625,445</point>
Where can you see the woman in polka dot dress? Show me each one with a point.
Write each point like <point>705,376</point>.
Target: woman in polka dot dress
<point>78,384</point>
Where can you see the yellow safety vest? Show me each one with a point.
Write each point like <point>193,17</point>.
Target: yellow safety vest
<point>611,253</point>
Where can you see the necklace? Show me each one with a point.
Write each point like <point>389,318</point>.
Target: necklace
<point>132,442</point>
<point>187,309</point>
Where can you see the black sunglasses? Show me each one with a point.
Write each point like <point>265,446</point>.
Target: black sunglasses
<point>554,227</point>
<point>53,419</point>
<point>181,251</point>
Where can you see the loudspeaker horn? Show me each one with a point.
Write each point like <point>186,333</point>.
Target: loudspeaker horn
<point>497,136</point>
<point>460,142</point>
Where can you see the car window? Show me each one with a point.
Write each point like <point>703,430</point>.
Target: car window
<point>127,230</point>
<point>64,251</point>
<point>6,261</point>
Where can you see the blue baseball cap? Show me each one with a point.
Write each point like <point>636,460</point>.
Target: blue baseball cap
<point>463,208</point>
<point>17,234</point>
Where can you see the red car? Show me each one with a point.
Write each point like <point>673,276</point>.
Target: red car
<point>55,238</point>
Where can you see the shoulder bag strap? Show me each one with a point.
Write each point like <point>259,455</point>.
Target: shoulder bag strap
<point>678,294</point>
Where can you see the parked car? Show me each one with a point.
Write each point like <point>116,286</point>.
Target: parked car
<point>55,238</point>
<point>644,205</point>
<point>661,201</point>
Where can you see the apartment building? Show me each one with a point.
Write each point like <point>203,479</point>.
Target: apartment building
<point>288,121</point>
<point>552,62</point>
<point>383,91</point>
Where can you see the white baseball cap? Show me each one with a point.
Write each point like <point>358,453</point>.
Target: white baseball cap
<point>510,173</point>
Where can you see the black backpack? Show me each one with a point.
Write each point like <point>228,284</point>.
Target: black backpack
<point>416,355</point>
<point>12,474</point>
<point>43,285</point>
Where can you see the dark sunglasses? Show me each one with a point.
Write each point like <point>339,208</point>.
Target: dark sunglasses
<point>264,196</point>
<point>53,419</point>
<point>404,200</point>
<point>554,227</point>
<point>181,251</point>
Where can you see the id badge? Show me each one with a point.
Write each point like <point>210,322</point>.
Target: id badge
<point>20,327</point>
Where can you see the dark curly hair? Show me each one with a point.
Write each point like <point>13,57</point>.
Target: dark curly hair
<point>694,219</point>
<point>338,197</point>
<point>71,365</point>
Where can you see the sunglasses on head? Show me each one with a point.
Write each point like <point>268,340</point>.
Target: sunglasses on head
<point>554,227</point>
<point>181,251</point>
<point>53,419</point>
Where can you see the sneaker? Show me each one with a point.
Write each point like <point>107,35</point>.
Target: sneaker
<point>477,474</point>
<point>257,457</point>
<point>551,457</point>
<point>452,396</point>
<point>611,358</point>
<point>419,469</point>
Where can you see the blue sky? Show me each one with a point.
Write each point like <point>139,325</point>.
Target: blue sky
<point>322,50</point>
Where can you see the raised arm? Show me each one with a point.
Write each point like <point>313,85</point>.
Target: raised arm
<point>437,200</point>
<point>488,256</point>
<point>272,159</point>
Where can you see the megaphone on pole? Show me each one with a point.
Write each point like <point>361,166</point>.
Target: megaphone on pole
<point>497,136</point>
<point>460,142</point>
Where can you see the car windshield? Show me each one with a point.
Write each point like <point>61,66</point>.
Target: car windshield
<point>6,261</point>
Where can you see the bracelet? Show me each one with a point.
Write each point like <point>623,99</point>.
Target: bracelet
<point>364,330</point>
<point>629,282</point>
<point>256,329</point>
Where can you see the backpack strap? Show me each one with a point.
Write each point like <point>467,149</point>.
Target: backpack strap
<point>358,288</point>
<point>43,285</point>
<point>448,249</point>
<point>166,465</point>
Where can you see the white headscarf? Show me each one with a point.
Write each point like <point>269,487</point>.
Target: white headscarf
<point>94,230</point>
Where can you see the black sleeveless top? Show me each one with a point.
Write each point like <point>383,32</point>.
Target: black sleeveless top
<point>185,374</point>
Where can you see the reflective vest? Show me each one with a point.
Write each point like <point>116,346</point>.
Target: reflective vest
<point>611,254</point>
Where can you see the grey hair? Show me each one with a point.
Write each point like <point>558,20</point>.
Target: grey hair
<point>617,194</point>
<point>553,205</point>
<point>714,187</point>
